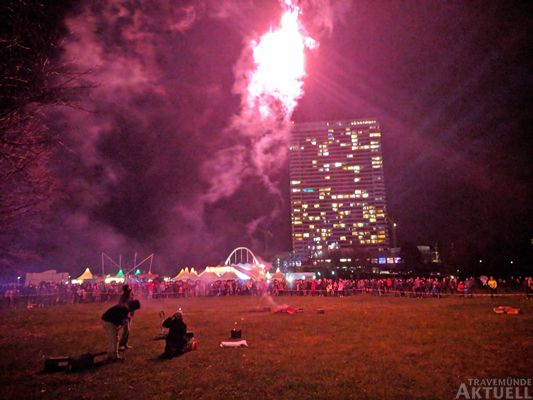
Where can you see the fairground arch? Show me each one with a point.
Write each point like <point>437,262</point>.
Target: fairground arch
<point>241,255</point>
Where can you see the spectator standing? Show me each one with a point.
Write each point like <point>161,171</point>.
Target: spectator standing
<point>493,285</point>
<point>112,321</point>
<point>125,298</point>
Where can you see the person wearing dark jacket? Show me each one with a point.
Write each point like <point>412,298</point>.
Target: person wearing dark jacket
<point>125,298</point>
<point>113,320</point>
<point>176,339</point>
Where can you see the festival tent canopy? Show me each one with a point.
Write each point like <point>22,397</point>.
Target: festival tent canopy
<point>185,274</point>
<point>278,275</point>
<point>181,275</point>
<point>208,275</point>
<point>229,276</point>
<point>253,273</point>
<point>87,274</point>
<point>232,274</point>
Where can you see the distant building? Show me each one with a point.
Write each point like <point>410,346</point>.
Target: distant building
<point>49,276</point>
<point>425,253</point>
<point>286,261</point>
<point>337,188</point>
<point>429,254</point>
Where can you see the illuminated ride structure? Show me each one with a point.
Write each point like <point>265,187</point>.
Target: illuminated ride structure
<point>241,264</point>
<point>243,260</point>
<point>241,256</point>
<point>133,272</point>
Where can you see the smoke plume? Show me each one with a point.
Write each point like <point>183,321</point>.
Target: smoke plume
<point>165,154</point>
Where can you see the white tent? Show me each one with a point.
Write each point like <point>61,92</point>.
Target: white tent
<point>185,274</point>
<point>87,274</point>
<point>208,275</point>
<point>193,274</point>
<point>229,276</point>
<point>228,273</point>
<point>278,275</point>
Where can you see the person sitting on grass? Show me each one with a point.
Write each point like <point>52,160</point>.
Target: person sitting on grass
<point>113,320</point>
<point>461,288</point>
<point>177,338</point>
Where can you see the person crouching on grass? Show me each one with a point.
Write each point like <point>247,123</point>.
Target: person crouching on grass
<point>113,320</point>
<point>176,340</point>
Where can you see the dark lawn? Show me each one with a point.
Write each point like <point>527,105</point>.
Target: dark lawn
<point>362,347</point>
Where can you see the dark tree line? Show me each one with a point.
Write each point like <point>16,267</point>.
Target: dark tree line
<point>31,79</point>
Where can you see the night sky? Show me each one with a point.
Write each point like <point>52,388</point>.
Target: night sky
<point>148,162</point>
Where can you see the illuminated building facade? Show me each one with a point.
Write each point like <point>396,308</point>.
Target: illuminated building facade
<point>337,188</point>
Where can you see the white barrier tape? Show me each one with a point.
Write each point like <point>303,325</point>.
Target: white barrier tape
<point>306,292</point>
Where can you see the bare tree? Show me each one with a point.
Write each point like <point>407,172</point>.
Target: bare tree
<point>29,82</point>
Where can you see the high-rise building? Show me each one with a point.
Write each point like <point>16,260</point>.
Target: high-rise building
<point>337,188</point>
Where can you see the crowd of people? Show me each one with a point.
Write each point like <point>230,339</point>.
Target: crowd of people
<point>48,293</point>
<point>117,319</point>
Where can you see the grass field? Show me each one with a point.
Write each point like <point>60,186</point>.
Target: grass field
<point>361,347</point>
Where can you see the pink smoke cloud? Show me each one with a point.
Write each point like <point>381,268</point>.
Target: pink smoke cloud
<point>135,178</point>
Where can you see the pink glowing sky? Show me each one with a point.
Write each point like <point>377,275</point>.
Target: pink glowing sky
<point>180,147</point>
